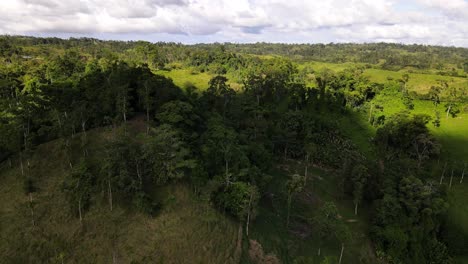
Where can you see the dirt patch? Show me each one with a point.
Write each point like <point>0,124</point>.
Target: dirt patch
<point>257,255</point>
<point>301,229</point>
<point>309,198</point>
<point>138,123</point>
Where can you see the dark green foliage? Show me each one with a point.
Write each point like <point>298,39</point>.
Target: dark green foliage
<point>79,187</point>
<point>328,224</point>
<point>407,135</point>
<point>180,115</point>
<point>406,222</point>
<point>221,151</point>
<point>166,156</point>
<point>359,177</point>
<point>235,198</point>
<point>124,173</point>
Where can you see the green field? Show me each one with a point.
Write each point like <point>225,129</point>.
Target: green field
<point>418,82</point>
<point>191,77</point>
<point>184,77</point>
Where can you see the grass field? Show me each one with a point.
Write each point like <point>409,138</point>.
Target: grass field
<point>418,82</point>
<point>187,76</point>
<point>184,77</point>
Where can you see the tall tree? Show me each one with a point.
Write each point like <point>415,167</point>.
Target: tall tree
<point>359,177</point>
<point>168,156</point>
<point>79,186</point>
<point>295,184</point>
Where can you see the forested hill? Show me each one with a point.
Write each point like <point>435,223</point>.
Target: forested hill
<point>385,55</point>
<point>393,55</point>
<point>133,152</point>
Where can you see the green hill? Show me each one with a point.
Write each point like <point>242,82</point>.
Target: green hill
<point>134,152</point>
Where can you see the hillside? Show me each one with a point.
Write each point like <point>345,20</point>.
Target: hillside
<point>186,227</point>
<point>121,235</point>
<point>133,152</point>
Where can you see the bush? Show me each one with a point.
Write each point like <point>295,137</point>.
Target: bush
<point>234,198</point>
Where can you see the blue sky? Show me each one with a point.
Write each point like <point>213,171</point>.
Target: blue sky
<point>436,22</point>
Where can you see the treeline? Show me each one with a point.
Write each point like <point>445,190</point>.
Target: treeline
<point>447,60</point>
<point>395,56</point>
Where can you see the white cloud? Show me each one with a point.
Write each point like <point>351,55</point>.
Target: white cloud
<point>422,21</point>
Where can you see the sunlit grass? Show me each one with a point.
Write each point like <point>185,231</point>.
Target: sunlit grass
<point>418,81</point>
<point>186,76</point>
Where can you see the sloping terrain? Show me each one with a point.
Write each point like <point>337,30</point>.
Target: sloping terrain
<point>186,230</point>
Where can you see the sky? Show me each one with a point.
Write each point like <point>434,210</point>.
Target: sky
<point>434,22</point>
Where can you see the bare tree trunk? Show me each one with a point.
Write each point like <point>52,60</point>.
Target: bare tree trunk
<point>21,163</point>
<point>227,171</point>
<point>451,178</point>
<point>306,168</point>
<point>114,257</point>
<point>289,210</point>
<point>79,210</point>
<point>31,208</point>
<point>463,174</point>
<point>110,194</point>
<point>355,208</point>
<point>124,110</point>
<point>341,254</point>
<point>448,110</point>
<point>59,121</point>
<point>443,174</point>
<point>248,214</point>
<point>319,250</point>
<point>83,127</point>
<point>147,121</point>
<point>138,172</point>
<point>147,107</point>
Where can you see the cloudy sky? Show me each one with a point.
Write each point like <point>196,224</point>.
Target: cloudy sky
<point>441,22</point>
